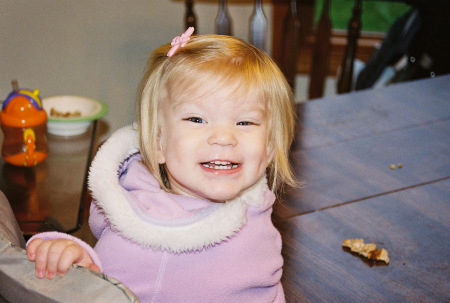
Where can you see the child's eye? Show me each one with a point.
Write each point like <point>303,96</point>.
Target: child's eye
<point>195,120</point>
<point>245,123</point>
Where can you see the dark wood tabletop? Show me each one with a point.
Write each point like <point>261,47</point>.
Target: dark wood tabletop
<point>374,165</point>
<point>346,144</point>
<point>51,195</point>
<point>413,225</point>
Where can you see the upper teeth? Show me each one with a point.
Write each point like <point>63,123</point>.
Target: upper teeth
<point>220,165</point>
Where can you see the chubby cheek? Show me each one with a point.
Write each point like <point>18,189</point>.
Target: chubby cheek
<point>174,147</point>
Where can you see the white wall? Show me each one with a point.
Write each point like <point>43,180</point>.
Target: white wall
<point>95,48</point>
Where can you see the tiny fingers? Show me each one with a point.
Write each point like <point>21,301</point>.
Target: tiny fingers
<point>32,247</point>
<point>55,257</point>
<point>71,254</point>
<point>41,258</point>
<point>94,267</point>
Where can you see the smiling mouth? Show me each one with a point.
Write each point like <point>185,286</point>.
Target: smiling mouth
<point>220,165</point>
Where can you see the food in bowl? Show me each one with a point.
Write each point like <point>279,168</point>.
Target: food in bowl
<point>72,115</point>
<point>57,114</point>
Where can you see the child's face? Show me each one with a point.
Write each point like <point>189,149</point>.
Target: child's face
<point>214,146</point>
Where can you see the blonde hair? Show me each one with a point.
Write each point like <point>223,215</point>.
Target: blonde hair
<point>224,62</point>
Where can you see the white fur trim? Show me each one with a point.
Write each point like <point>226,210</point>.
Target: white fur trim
<point>220,225</point>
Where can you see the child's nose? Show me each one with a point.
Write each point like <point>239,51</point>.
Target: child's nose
<point>222,136</point>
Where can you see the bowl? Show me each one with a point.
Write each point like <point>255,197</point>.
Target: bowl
<point>71,115</point>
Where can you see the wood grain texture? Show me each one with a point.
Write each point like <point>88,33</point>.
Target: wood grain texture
<point>360,168</point>
<point>346,144</point>
<point>411,224</point>
<point>364,113</point>
<point>345,147</point>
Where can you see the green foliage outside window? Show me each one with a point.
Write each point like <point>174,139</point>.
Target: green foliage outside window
<point>377,16</point>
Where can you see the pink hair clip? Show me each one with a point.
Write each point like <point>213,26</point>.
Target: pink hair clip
<point>180,41</point>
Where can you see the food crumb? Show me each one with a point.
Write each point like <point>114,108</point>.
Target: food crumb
<point>58,114</point>
<point>392,166</point>
<point>400,165</point>
<point>368,250</point>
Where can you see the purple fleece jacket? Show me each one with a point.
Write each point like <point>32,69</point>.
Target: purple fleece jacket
<point>170,248</point>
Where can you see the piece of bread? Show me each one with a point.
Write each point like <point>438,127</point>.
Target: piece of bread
<point>368,250</point>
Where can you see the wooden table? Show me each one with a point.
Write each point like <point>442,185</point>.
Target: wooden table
<point>344,149</point>
<point>52,195</point>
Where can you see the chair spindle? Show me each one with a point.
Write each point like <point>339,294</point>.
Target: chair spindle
<point>345,77</point>
<point>258,25</point>
<point>321,52</point>
<point>290,45</point>
<point>223,20</point>
<point>190,18</point>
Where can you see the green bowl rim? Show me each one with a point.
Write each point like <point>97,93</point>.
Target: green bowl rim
<point>103,111</point>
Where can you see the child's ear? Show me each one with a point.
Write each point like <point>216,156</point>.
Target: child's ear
<point>270,150</point>
<point>160,151</point>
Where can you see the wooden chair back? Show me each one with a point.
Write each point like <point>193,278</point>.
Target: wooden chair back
<point>293,26</point>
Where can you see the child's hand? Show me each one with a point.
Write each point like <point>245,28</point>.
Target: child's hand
<point>56,256</point>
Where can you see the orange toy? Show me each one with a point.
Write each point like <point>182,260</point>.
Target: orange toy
<point>24,124</point>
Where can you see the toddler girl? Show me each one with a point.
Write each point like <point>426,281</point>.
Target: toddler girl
<point>183,201</point>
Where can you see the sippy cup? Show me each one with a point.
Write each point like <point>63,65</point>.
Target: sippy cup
<point>24,123</point>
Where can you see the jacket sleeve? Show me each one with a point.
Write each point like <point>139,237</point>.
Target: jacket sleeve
<point>97,220</point>
<point>53,235</point>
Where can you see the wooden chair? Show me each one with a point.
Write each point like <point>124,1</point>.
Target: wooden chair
<point>318,52</point>
<point>297,47</point>
<point>258,22</point>
<point>345,78</point>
